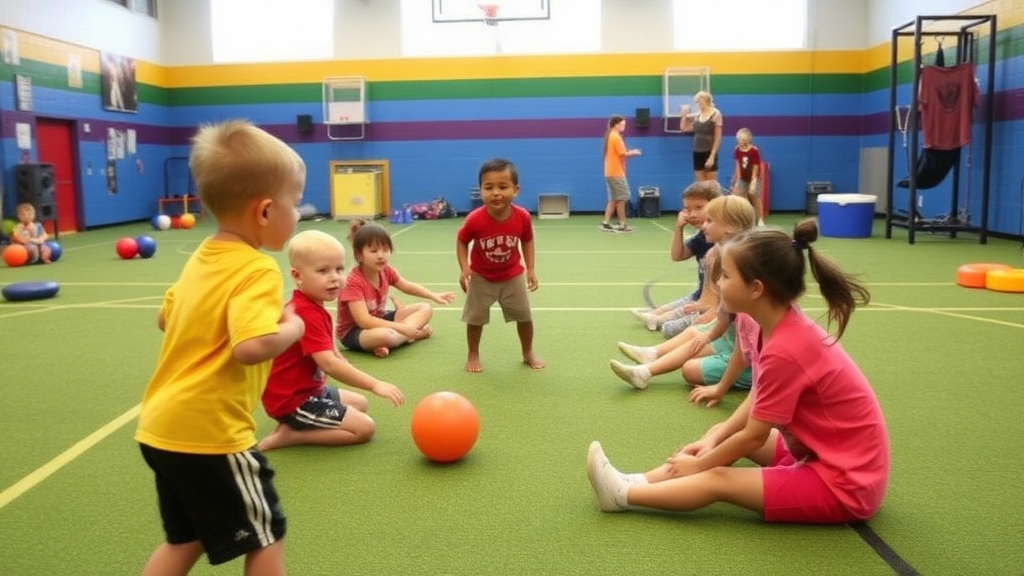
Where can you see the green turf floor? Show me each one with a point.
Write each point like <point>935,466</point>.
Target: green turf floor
<point>947,364</point>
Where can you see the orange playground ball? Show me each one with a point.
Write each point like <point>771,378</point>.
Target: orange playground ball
<point>445,426</point>
<point>187,221</point>
<point>15,255</point>
<point>973,275</point>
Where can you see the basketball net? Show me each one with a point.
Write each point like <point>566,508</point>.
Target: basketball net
<point>490,13</point>
<point>491,19</point>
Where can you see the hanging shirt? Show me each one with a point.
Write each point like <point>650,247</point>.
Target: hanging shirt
<point>948,96</point>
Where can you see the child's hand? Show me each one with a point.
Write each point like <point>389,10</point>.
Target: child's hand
<point>697,343</point>
<point>464,280</point>
<point>682,219</point>
<point>680,465</point>
<point>531,281</point>
<point>710,394</point>
<point>444,298</point>
<point>389,392</point>
<point>691,307</point>
<point>697,448</point>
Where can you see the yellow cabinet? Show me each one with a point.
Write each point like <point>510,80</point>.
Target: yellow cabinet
<point>355,194</point>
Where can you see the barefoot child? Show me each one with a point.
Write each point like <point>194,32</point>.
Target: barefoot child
<point>364,323</point>
<point>494,272</point>
<point>309,411</point>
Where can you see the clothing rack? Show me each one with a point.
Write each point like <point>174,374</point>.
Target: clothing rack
<point>966,44</point>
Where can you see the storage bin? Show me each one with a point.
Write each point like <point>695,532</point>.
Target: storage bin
<point>846,215</point>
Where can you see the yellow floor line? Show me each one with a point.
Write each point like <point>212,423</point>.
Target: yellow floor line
<point>44,471</point>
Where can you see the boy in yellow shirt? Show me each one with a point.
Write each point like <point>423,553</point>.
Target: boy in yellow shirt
<point>223,324</point>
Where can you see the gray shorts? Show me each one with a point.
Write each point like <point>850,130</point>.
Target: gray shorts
<point>743,187</point>
<point>618,189</point>
<point>510,295</point>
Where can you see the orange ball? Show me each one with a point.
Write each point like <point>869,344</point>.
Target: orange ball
<point>15,255</point>
<point>187,221</point>
<point>445,426</point>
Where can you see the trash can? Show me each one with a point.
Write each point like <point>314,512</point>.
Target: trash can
<point>846,215</point>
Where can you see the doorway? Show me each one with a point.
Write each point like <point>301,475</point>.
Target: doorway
<point>56,142</point>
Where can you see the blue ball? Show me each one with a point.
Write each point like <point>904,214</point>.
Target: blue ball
<point>147,246</point>
<point>55,250</point>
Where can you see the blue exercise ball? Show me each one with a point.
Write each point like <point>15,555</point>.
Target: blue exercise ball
<point>147,246</point>
<point>55,250</point>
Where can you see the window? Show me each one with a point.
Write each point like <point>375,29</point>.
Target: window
<point>147,7</point>
<point>271,30</point>
<point>741,25</point>
<point>573,26</point>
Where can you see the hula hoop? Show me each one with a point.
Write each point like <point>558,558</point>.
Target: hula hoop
<point>973,275</point>
<point>1005,280</point>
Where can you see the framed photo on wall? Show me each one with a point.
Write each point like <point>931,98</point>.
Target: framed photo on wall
<point>117,83</point>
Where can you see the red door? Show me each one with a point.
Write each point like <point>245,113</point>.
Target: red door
<point>56,146</point>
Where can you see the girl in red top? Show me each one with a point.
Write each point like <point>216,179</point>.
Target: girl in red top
<point>364,322</point>
<point>812,422</point>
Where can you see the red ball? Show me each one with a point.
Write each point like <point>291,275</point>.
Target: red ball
<point>127,248</point>
<point>445,426</point>
<point>15,255</point>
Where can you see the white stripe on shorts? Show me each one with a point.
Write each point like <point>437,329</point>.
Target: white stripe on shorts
<point>246,470</point>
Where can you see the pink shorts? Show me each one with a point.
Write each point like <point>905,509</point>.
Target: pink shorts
<point>795,493</point>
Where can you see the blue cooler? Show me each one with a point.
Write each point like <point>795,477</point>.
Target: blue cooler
<point>846,215</point>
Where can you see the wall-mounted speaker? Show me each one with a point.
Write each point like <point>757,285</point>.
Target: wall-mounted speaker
<point>643,118</point>
<point>304,122</point>
<point>36,184</point>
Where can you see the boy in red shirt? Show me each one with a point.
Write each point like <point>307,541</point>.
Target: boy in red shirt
<point>495,272</point>
<point>309,411</point>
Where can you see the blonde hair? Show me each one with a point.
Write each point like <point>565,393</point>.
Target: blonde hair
<point>735,213</point>
<point>234,163</point>
<point>703,95</point>
<point>26,206</point>
<point>744,136</point>
<point>310,242</point>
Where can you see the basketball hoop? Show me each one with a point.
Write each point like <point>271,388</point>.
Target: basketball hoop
<point>490,13</point>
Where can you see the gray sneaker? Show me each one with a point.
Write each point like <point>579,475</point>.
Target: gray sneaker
<point>606,227</point>
<point>623,229</point>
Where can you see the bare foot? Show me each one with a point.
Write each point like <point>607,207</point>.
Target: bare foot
<point>473,364</point>
<point>381,352</point>
<point>270,442</point>
<point>428,331</point>
<point>533,361</point>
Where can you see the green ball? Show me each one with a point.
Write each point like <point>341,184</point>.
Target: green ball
<point>9,226</point>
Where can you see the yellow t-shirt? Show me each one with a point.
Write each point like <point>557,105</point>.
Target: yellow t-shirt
<point>200,399</point>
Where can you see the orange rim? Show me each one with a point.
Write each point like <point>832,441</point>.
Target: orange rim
<point>974,275</point>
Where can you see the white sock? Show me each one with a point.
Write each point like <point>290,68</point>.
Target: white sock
<point>643,371</point>
<point>636,479</point>
<point>650,354</point>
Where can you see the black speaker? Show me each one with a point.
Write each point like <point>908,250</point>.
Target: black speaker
<point>643,118</point>
<point>304,122</point>
<point>35,184</point>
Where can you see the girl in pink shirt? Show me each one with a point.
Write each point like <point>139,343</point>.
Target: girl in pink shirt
<point>812,422</point>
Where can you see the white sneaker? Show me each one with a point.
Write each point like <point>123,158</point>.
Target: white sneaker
<point>638,354</point>
<point>610,489</point>
<point>630,374</point>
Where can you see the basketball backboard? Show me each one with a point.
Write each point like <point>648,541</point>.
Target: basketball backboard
<point>471,10</point>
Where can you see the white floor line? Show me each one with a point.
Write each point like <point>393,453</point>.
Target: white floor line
<point>46,470</point>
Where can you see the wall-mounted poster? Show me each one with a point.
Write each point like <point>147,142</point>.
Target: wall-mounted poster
<point>10,47</point>
<point>117,80</point>
<point>74,71</point>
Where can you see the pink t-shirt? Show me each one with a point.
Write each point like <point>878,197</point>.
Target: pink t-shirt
<point>826,411</point>
<point>295,375</point>
<point>358,287</point>
<point>748,334</point>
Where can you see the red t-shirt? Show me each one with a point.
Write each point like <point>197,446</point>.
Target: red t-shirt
<point>294,375</point>
<point>358,287</point>
<point>948,97</point>
<point>747,159</point>
<point>495,251</point>
<point>826,410</point>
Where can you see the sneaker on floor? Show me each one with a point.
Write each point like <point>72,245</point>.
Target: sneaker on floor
<point>606,227</point>
<point>629,374</point>
<point>623,229</point>
<point>610,489</point>
<point>638,354</point>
